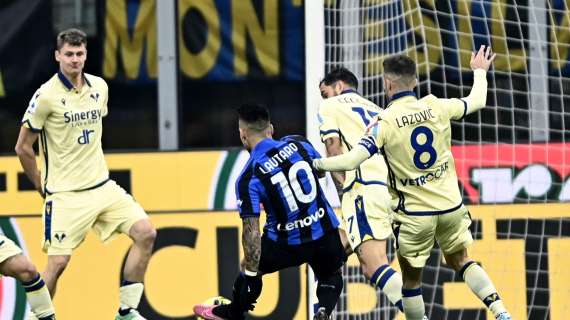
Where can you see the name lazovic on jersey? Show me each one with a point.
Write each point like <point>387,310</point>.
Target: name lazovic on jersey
<point>82,118</point>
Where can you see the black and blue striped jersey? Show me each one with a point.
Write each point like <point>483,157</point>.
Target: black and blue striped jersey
<point>279,175</point>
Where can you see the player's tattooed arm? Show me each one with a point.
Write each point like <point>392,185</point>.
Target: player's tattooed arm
<point>334,148</point>
<point>251,241</point>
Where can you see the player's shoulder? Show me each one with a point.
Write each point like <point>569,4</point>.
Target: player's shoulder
<point>299,140</point>
<point>47,92</point>
<point>328,105</point>
<point>430,98</point>
<point>246,173</point>
<point>95,81</point>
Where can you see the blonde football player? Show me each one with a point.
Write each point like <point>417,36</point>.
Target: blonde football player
<point>414,136</point>
<point>344,116</point>
<point>66,113</point>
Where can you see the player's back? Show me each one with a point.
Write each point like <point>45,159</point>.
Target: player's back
<point>280,175</point>
<point>347,116</point>
<point>416,138</point>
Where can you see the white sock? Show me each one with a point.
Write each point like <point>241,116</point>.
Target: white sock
<point>477,279</point>
<point>390,282</point>
<point>414,307</point>
<point>39,298</point>
<point>130,295</point>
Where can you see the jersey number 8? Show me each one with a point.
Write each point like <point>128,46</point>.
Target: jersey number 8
<point>421,148</point>
<point>292,185</point>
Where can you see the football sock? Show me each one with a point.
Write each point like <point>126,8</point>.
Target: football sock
<point>39,298</point>
<point>413,301</point>
<point>390,282</point>
<point>480,283</point>
<point>328,291</point>
<point>130,295</point>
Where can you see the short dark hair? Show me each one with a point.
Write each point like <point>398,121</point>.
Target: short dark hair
<point>400,65</point>
<point>255,116</point>
<point>73,37</point>
<point>340,74</point>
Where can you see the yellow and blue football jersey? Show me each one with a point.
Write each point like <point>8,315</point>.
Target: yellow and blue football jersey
<point>415,138</point>
<point>346,116</point>
<point>69,122</point>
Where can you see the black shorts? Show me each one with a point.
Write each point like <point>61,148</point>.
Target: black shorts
<point>325,255</point>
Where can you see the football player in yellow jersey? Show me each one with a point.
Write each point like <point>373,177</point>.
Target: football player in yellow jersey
<point>344,116</point>
<point>415,138</point>
<point>66,113</point>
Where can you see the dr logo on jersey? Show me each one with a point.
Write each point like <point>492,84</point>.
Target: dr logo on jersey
<point>84,138</point>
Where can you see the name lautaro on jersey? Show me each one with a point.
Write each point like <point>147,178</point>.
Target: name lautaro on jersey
<point>83,118</point>
<point>409,119</point>
<point>285,153</point>
<point>304,222</point>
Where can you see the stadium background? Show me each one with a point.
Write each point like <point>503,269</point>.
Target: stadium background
<point>230,52</point>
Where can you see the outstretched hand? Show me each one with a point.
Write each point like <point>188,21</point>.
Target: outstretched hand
<point>482,59</point>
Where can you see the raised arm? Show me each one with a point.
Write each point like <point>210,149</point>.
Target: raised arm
<point>480,63</point>
<point>25,151</point>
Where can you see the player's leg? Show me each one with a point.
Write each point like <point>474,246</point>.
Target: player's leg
<point>56,264</point>
<point>454,238</point>
<point>365,212</point>
<point>143,235</point>
<point>414,307</point>
<point>414,241</point>
<point>20,267</point>
<point>326,256</point>
<point>122,214</point>
<point>344,240</point>
<point>67,218</point>
<point>478,281</point>
<point>274,257</point>
<point>375,266</point>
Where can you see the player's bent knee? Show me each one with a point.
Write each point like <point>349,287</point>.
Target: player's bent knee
<point>20,268</point>
<point>143,232</point>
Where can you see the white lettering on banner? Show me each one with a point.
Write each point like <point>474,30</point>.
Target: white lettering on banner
<point>498,185</point>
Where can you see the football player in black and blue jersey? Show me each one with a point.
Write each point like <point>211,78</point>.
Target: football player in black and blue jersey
<point>301,226</point>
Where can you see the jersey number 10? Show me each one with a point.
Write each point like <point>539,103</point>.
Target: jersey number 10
<point>292,186</point>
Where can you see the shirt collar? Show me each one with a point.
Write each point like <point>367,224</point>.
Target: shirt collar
<point>401,94</point>
<point>262,146</point>
<point>348,91</point>
<point>68,83</point>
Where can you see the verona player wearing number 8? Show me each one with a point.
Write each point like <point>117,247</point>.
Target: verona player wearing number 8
<point>415,138</point>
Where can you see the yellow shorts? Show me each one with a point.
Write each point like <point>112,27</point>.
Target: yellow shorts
<point>68,216</point>
<point>415,235</point>
<point>8,248</point>
<point>366,214</point>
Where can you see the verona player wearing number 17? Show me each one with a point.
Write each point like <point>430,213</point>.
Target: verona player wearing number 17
<point>415,139</point>
<point>343,117</point>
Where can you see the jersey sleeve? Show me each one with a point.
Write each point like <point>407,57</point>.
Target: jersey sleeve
<point>248,195</point>
<point>37,112</point>
<point>456,109</point>
<point>105,109</point>
<point>379,131</point>
<point>328,125</point>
